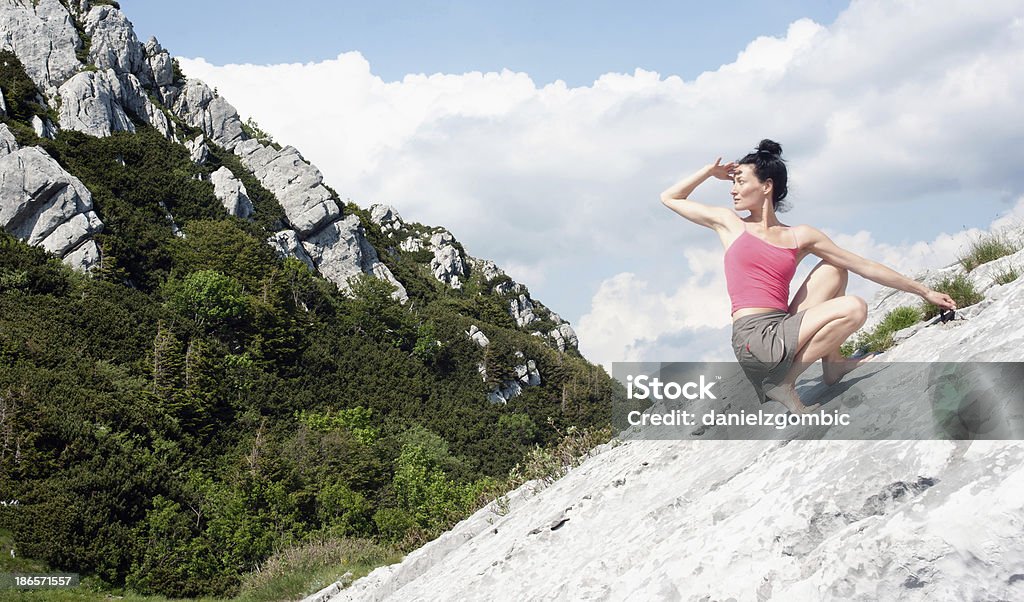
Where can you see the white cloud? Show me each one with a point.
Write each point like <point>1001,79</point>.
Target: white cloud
<point>893,105</point>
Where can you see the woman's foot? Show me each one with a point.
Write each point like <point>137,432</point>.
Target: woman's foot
<point>786,395</point>
<point>833,371</point>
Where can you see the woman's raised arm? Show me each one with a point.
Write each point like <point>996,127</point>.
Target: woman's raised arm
<point>676,196</point>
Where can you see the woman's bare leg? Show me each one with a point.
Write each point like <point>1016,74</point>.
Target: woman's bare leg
<point>826,281</point>
<point>824,328</point>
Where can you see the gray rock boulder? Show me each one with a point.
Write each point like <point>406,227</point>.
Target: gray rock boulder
<point>478,336</point>
<point>199,107</point>
<point>340,251</point>
<point>198,150</point>
<point>43,128</point>
<point>85,257</point>
<point>298,186</point>
<point>232,193</point>
<point>160,63</point>
<point>446,265</point>
<point>411,244</point>
<point>564,337</point>
<point>487,269</point>
<point>91,103</point>
<point>42,34</point>
<point>44,205</point>
<point>386,217</point>
<point>113,44</point>
<point>521,310</point>
<point>8,143</point>
<point>287,244</point>
<point>95,102</point>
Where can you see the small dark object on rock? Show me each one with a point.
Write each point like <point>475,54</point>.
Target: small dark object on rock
<point>557,524</point>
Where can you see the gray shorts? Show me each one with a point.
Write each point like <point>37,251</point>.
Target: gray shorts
<point>765,345</point>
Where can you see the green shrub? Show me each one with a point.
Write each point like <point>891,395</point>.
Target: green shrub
<point>987,248</point>
<point>880,338</point>
<point>960,288</point>
<point>1007,275</point>
<point>209,298</point>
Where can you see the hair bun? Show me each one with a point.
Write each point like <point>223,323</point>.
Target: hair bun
<point>770,147</point>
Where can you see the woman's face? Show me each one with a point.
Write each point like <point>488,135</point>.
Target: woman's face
<point>748,192</point>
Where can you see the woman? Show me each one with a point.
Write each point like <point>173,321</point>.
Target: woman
<point>775,339</point>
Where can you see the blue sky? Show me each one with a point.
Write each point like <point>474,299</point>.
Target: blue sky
<point>575,41</point>
<point>540,136</point>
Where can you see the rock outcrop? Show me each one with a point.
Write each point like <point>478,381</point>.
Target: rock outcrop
<point>199,107</point>
<point>298,186</point>
<point>340,251</point>
<point>232,193</point>
<point>113,45</point>
<point>45,206</point>
<point>197,149</point>
<point>387,218</point>
<point>42,34</point>
<point>8,144</point>
<point>91,103</point>
<point>287,244</point>
<point>446,265</point>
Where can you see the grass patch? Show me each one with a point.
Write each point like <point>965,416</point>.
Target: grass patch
<point>1008,275</point>
<point>987,248</point>
<point>299,571</point>
<point>880,338</point>
<point>960,288</point>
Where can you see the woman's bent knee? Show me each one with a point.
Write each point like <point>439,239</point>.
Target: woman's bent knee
<point>856,309</point>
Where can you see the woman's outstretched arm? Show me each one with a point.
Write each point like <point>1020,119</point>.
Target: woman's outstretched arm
<point>822,246</point>
<point>677,199</point>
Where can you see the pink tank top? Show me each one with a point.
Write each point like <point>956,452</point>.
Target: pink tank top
<point>757,273</point>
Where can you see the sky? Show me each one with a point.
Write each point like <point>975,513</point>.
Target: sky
<point>541,135</point>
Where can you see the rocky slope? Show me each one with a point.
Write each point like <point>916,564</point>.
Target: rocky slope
<point>94,76</point>
<point>758,520</point>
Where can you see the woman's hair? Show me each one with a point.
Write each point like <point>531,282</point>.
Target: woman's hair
<point>768,165</point>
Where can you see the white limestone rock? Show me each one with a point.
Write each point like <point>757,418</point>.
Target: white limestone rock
<point>135,99</point>
<point>113,44</point>
<point>478,336</point>
<point>42,34</point>
<point>232,193</point>
<point>521,310</point>
<point>340,251</point>
<point>387,218</point>
<point>3,104</point>
<point>160,63</point>
<point>8,144</point>
<point>564,337</point>
<point>198,150</point>
<point>199,107</point>
<point>84,258</point>
<point>488,269</point>
<point>287,244</point>
<point>43,128</point>
<point>42,204</point>
<point>91,103</point>
<point>446,265</point>
<point>298,185</point>
<point>411,244</point>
